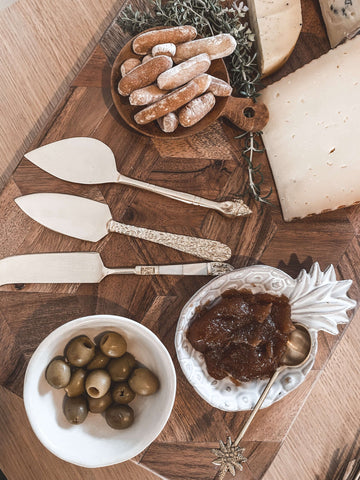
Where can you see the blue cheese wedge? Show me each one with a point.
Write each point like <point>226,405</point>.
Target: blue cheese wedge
<point>277,25</point>
<point>342,19</point>
<point>312,135</point>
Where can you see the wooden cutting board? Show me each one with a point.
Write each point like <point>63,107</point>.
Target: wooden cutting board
<point>208,164</point>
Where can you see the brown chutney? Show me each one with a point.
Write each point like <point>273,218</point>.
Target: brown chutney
<point>242,335</point>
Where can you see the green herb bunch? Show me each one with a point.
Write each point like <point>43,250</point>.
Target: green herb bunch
<point>209,17</point>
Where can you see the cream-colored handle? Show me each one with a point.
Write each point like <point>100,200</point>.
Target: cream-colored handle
<point>231,208</point>
<point>200,247</point>
<point>206,268</point>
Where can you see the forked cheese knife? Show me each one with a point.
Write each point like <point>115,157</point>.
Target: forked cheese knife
<point>90,220</point>
<point>87,267</point>
<point>89,161</point>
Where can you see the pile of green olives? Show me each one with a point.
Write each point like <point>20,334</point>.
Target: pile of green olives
<point>100,378</point>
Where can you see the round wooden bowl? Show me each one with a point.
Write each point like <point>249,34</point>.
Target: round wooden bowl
<point>243,112</point>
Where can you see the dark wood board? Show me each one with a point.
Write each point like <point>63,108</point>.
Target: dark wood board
<point>208,164</point>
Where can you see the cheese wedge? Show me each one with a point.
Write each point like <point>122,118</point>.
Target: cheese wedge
<point>342,19</point>
<point>313,133</point>
<point>277,25</point>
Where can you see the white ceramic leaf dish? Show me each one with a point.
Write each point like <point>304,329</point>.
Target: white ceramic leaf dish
<point>318,301</point>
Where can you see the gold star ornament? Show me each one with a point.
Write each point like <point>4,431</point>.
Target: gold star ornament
<point>229,458</point>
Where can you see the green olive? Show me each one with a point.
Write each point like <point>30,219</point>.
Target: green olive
<point>119,416</point>
<point>99,361</point>
<point>99,405</point>
<point>120,368</point>
<point>75,409</point>
<point>122,393</point>
<point>58,373</point>
<point>80,351</point>
<point>113,344</point>
<point>76,386</point>
<point>143,381</point>
<point>97,383</point>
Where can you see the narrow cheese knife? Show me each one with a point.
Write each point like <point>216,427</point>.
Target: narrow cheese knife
<point>89,220</point>
<point>89,161</point>
<point>87,267</point>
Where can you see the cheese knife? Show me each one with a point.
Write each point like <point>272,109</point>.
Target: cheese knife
<point>90,161</point>
<point>88,267</point>
<point>90,220</point>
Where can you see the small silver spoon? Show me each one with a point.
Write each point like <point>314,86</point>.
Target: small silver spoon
<point>298,348</point>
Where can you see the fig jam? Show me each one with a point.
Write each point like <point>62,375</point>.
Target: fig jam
<point>243,335</point>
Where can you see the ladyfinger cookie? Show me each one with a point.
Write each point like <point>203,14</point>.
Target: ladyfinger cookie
<point>219,87</point>
<point>146,95</point>
<point>144,74</point>
<point>195,110</point>
<point>168,49</point>
<point>144,42</point>
<point>218,46</point>
<point>183,73</point>
<point>169,122</point>
<point>129,65</point>
<point>173,100</point>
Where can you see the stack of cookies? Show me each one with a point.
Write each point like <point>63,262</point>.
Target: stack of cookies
<point>172,95</point>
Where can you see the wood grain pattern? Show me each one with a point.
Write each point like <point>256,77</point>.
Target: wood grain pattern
<point>208,164</point>
<point>319,444</point>
<point>44,43</point>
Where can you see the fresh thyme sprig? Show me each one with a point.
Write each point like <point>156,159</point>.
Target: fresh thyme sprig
<point>211,17</point>
<point>256,177</point>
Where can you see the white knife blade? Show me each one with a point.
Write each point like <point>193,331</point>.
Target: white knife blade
<point>88,267</point>
<point>73,267</point>
<point>74,216</point>
<point>79,159</point>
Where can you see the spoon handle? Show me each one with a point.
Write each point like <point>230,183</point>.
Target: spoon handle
<point>200,247</point>
<point>230,208</point>
<point>257,406</point>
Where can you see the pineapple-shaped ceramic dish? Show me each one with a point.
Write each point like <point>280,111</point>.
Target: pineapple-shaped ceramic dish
<point>318,301</point>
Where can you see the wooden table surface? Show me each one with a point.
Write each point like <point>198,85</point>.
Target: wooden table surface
<point>294,431</point>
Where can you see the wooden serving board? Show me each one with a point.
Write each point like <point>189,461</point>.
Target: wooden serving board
<point>210,165</point>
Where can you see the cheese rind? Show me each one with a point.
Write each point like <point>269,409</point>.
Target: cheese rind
<point>277,26</point>
<point>312,136</point>
<point>342,19</point>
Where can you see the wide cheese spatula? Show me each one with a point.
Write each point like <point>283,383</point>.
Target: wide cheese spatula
<point>90,161</point>
<point>87,219</point>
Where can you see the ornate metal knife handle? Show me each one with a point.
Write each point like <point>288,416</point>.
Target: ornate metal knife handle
<point>230,208</point>
<point>200,247</point>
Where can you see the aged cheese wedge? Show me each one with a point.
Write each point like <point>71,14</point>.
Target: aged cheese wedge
<point>277,25</point>
<point>313,133</point>
<point>342,19</point>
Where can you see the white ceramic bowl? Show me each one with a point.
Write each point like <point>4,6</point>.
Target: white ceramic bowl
<point>318,301</point>
<point>94,443</point>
